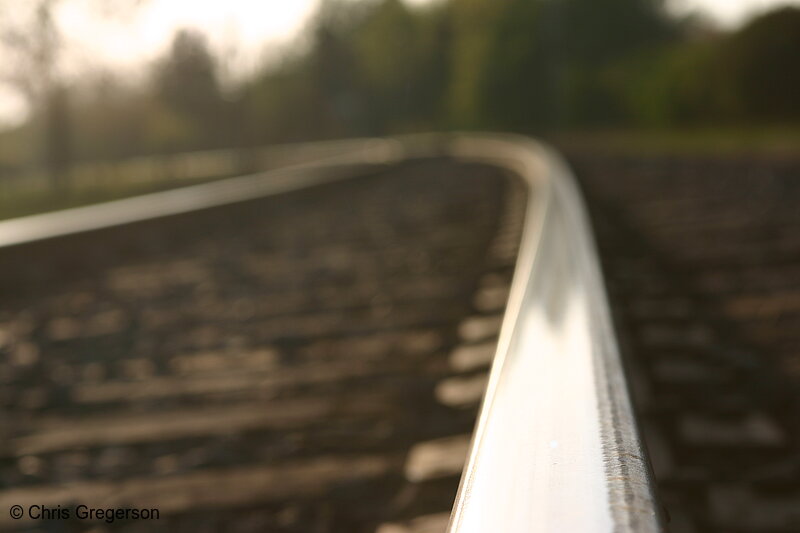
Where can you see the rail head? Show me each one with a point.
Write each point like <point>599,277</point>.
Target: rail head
<point>555,447</point>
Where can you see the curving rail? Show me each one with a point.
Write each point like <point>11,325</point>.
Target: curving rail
<point>556,446</point>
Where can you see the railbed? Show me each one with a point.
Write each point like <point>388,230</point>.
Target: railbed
<point>555,446</point>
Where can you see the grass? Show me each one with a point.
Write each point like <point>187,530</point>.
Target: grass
<point>776,142</point>
<point>770,142</point>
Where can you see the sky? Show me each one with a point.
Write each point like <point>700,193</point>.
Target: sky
<point>729,12</point>
<point>244,31</point>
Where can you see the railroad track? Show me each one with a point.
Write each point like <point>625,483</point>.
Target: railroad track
<point>279,364</point>
<point>702,261</point>
<point>315,360</point>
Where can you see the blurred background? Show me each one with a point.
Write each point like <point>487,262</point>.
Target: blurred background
<point>88,83</point>
<point>321,355</point>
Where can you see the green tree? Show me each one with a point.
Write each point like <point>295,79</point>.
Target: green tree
<point>401,65</point>
<point>33,40</point>
<point>33,50</point>
<point>543,64</point>
<point>186,82</point>
<point>473,35</point>
<point>760,68</point>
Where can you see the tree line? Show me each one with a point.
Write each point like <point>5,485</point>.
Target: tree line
<point>376,67</point>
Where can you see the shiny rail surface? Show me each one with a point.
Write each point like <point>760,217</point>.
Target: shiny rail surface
<point>556,446</point>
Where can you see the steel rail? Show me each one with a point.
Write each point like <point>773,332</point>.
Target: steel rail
<point>556,446</point>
